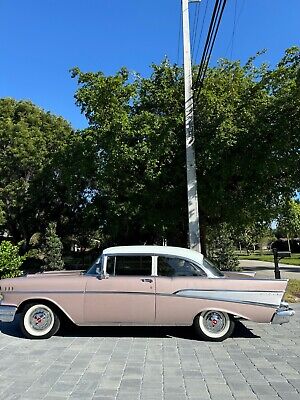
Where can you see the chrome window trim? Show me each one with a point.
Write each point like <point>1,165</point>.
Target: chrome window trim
<point>154,266</point>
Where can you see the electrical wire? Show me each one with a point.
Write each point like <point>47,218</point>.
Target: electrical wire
<point>209,44</point>
<point>202,26</point>
<point>235,26</point>
<point>179,32</point>
<point>195,27</point>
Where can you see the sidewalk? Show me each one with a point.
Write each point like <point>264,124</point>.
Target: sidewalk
<point>265,269</point>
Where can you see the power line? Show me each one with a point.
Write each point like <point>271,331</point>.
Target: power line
<point>179,31</point>
<point>202,26</point>
<point>209,44</point>
<point>235,26</point>
<point>195,27</point>
<point>233,30</point>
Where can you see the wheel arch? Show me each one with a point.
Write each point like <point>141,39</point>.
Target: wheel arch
<point>61,313</point>
<point>232,315</point>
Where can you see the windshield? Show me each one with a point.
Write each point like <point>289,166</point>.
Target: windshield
<point>211,267</point>
<point>96,268</point>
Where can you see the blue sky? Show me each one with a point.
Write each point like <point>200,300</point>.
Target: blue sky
<point>42,39</point>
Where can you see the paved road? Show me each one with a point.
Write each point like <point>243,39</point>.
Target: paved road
<point>261,362</point>
<point>265,269</point>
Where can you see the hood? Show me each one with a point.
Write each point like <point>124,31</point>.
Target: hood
<point>48,274</point>
<point>59,281</point>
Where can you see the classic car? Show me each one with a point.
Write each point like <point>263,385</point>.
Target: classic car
<point>143,285</point>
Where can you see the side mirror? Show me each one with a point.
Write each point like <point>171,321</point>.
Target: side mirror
<point>101,276</point>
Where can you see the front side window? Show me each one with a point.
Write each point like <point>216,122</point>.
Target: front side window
<point>212,268</point>
<point>171,266</point>
<point>96,268</point>
<point>129,265</point>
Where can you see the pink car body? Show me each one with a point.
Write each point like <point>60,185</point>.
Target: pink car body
<point>144,285</point>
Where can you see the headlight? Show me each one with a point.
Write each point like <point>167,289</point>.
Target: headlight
<point>1,296</point>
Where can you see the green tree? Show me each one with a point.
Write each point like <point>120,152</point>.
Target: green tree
<point>30,139</point>
<point>259,233</point>
<point>53,249</point>
<point>10,260</point>
<point>136,133</point>
<point>288,221</point>
<point>247,149</point>
<point>2,214</point>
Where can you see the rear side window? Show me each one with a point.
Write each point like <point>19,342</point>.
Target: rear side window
<point>169,266</point>
<point>129,265</point>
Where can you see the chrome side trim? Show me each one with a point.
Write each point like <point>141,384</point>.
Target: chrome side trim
<point>7,313</point>
<point>264,298</point>
<point>229,290</point>
<point>118,292</point>
<point>49,291</point>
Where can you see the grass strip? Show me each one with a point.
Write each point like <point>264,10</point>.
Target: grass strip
<point>292,294</point>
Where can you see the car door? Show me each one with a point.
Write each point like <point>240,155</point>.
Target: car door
<point>175,274</point>
<point>126,295</point>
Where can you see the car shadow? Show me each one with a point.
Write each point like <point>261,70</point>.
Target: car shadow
<point>180,332</point>
<point>11,328</point>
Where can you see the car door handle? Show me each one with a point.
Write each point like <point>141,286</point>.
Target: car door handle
<point>147,280</point>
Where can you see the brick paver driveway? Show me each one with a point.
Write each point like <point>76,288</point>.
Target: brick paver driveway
<point>259,362</point>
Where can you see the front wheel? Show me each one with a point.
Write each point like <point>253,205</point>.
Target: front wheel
<point>213,325</point>
<point>39,321</point>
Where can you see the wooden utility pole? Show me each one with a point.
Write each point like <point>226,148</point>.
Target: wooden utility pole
<point>193,211</point>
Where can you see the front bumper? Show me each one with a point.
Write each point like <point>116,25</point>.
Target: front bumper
<point>7,313</point>
<point>283,314</point>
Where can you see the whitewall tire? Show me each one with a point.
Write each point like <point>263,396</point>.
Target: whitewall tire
<point>213,325</point>
<point>39,321</point>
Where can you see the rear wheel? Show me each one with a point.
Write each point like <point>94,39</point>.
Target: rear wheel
<point>213,325</point>
<point>39,321</point>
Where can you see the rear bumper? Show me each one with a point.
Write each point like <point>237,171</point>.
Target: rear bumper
<point>7,313</point>
<point>283,314</point>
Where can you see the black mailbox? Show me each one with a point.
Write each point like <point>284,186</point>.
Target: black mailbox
<point>283,254</point>
<point>278,255</point>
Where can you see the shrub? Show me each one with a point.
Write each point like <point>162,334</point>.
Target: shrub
<point>221,248</point>
<point>10,260</point>
<point>53,250</point>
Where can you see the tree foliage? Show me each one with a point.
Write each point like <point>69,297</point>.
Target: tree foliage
<point>10,260</point>
<point>30,139</point>
<point>289,219</point>
<point>247,149</point>
<point>136,132</point>
<point>248,140</point>
<point>52,250</point>
<point>221,248</point>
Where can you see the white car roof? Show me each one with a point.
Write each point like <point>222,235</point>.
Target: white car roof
<point>156,250</point>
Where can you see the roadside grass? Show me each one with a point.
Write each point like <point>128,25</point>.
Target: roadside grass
<point>293,260</point>
<point>292,294</point>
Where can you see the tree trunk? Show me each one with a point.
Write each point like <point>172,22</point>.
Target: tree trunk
<point>203,239</point>
<point>289,244</point>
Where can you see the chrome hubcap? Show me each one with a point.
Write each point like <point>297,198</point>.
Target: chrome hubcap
<point>40,319</point>
<point>214,322</point>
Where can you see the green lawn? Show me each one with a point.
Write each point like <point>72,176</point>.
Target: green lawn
<point>292,294</point>
<point>294,260</point>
